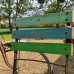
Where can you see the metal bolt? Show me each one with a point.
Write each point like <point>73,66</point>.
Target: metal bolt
<point>66,33</point>
<point>65,48</point>
<point>13,46</point>
<point>66,19</point>
<point>67,13</point>
<point>38,19</point>
<point>31,19</point>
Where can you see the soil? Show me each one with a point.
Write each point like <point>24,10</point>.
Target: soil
<point>30,67</point>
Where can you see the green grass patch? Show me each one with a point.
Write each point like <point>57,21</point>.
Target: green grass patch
<point>6,36</point>
<point>7,30</point>
<point>4,30</point>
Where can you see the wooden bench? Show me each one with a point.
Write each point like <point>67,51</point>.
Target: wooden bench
<point>65,48</point>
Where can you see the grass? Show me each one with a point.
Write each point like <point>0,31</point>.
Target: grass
<point>4,30</point>
<point>7,30</point>
<point>6,36</point>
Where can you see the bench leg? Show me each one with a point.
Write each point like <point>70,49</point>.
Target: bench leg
<point>50,66</point>
<point>15,71</point>
<point>67,62</point>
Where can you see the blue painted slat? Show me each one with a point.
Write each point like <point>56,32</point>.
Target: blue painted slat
<point>54,33</point>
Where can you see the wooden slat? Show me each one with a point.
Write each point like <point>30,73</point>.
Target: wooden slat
<point>73,16</point>
<point>71,49</point>
<point>43,40</point>
<point>54,48</point>
<point>54,33</point>
<point>45,19</point>
<point>73,33</point>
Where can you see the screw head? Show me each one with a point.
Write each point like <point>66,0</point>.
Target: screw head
<point>65,48</point>
<point>67,13</point>
<point>66,19</point>
<point>66,33</point>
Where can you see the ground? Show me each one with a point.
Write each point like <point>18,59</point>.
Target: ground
<point>29,67</point>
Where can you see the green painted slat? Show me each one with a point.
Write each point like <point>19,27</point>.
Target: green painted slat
<point>55,48</point>
<point>44,19</point>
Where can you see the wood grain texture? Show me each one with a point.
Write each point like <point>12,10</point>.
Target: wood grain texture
<point>72,49</point>
<point>72,32</point>
<point>54,48</point>
<point>44,40</point>
<point>73,16</point>
<point>53,33</point>
<point>44,19</point>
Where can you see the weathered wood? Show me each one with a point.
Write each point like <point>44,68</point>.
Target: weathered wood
<point>73,16</point>
<point>44,40</point>
<point>55,48</point>
<point>54,33</point>
<point>73,33</point>
<point>45,19</point>
<point>72,49</point>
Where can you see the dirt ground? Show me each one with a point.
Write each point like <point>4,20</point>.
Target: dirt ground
<point>30,67</point>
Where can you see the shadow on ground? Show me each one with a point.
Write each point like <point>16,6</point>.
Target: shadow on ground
<point>61,70</point>
<point>29,67</point>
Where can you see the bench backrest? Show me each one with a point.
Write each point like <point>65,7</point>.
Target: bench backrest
<point>55,33</point>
